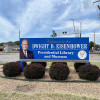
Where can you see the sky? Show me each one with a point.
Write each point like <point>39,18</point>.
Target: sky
<point>37,18</point>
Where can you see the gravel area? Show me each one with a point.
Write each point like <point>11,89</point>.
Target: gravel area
<point>86,89</point>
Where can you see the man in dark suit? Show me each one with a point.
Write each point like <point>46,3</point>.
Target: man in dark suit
<point>24,53</point>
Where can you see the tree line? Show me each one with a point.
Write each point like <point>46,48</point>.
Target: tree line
<point>91,44</point>
<point>14,43</point>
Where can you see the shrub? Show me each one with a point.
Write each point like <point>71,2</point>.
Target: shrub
<point>89,72</point>
<point>12,69</point>
<point>34,71</point>
<point>77,65</point>
<point>25,63</point>
<point>42,63</point>
<point>59,71</point>
<point>59,63</point>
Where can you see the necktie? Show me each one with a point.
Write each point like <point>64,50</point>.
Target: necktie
<point>25,54</point>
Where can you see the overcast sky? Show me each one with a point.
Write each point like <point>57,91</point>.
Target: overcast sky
<point>37,18</point>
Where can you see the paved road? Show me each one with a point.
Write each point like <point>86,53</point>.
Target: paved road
<point>94,57</point>
<point>8,57</point>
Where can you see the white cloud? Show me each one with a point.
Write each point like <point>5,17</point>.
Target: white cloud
<point>7,29</point>
<point>40,15</point>
<point>35,12</point>
<point>90,35</point>
<point>78,8</point>
<point>87,25</point>
<point>88,6</point>
<point>90,24</point>
<point>66,25</point>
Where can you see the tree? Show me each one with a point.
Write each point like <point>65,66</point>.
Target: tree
<point>17,43</point>
<point>91,44</point>
<point>97,46</point>
<point>97,1</point>
<point>1,44</point>
<point>10,42</point>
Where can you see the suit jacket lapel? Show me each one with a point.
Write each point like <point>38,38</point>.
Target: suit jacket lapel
<point>23,56</point>
<point>27,54</point>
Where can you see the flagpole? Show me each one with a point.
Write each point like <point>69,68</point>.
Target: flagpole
<point>19,34</point>
<point>21,62</point>
<point>94,40</point>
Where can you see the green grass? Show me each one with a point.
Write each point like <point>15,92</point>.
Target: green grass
<point>2,63</point>
<point>96,63</point>
<point>71,64</point>
<point>42,96</point>
<point>0,69</point>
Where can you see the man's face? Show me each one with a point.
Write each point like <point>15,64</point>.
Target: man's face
<point>25,45</point>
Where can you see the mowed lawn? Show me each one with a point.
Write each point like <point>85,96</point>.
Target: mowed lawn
<point>71,64</point>
<point>42,96</point>
<point>46,96</point>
